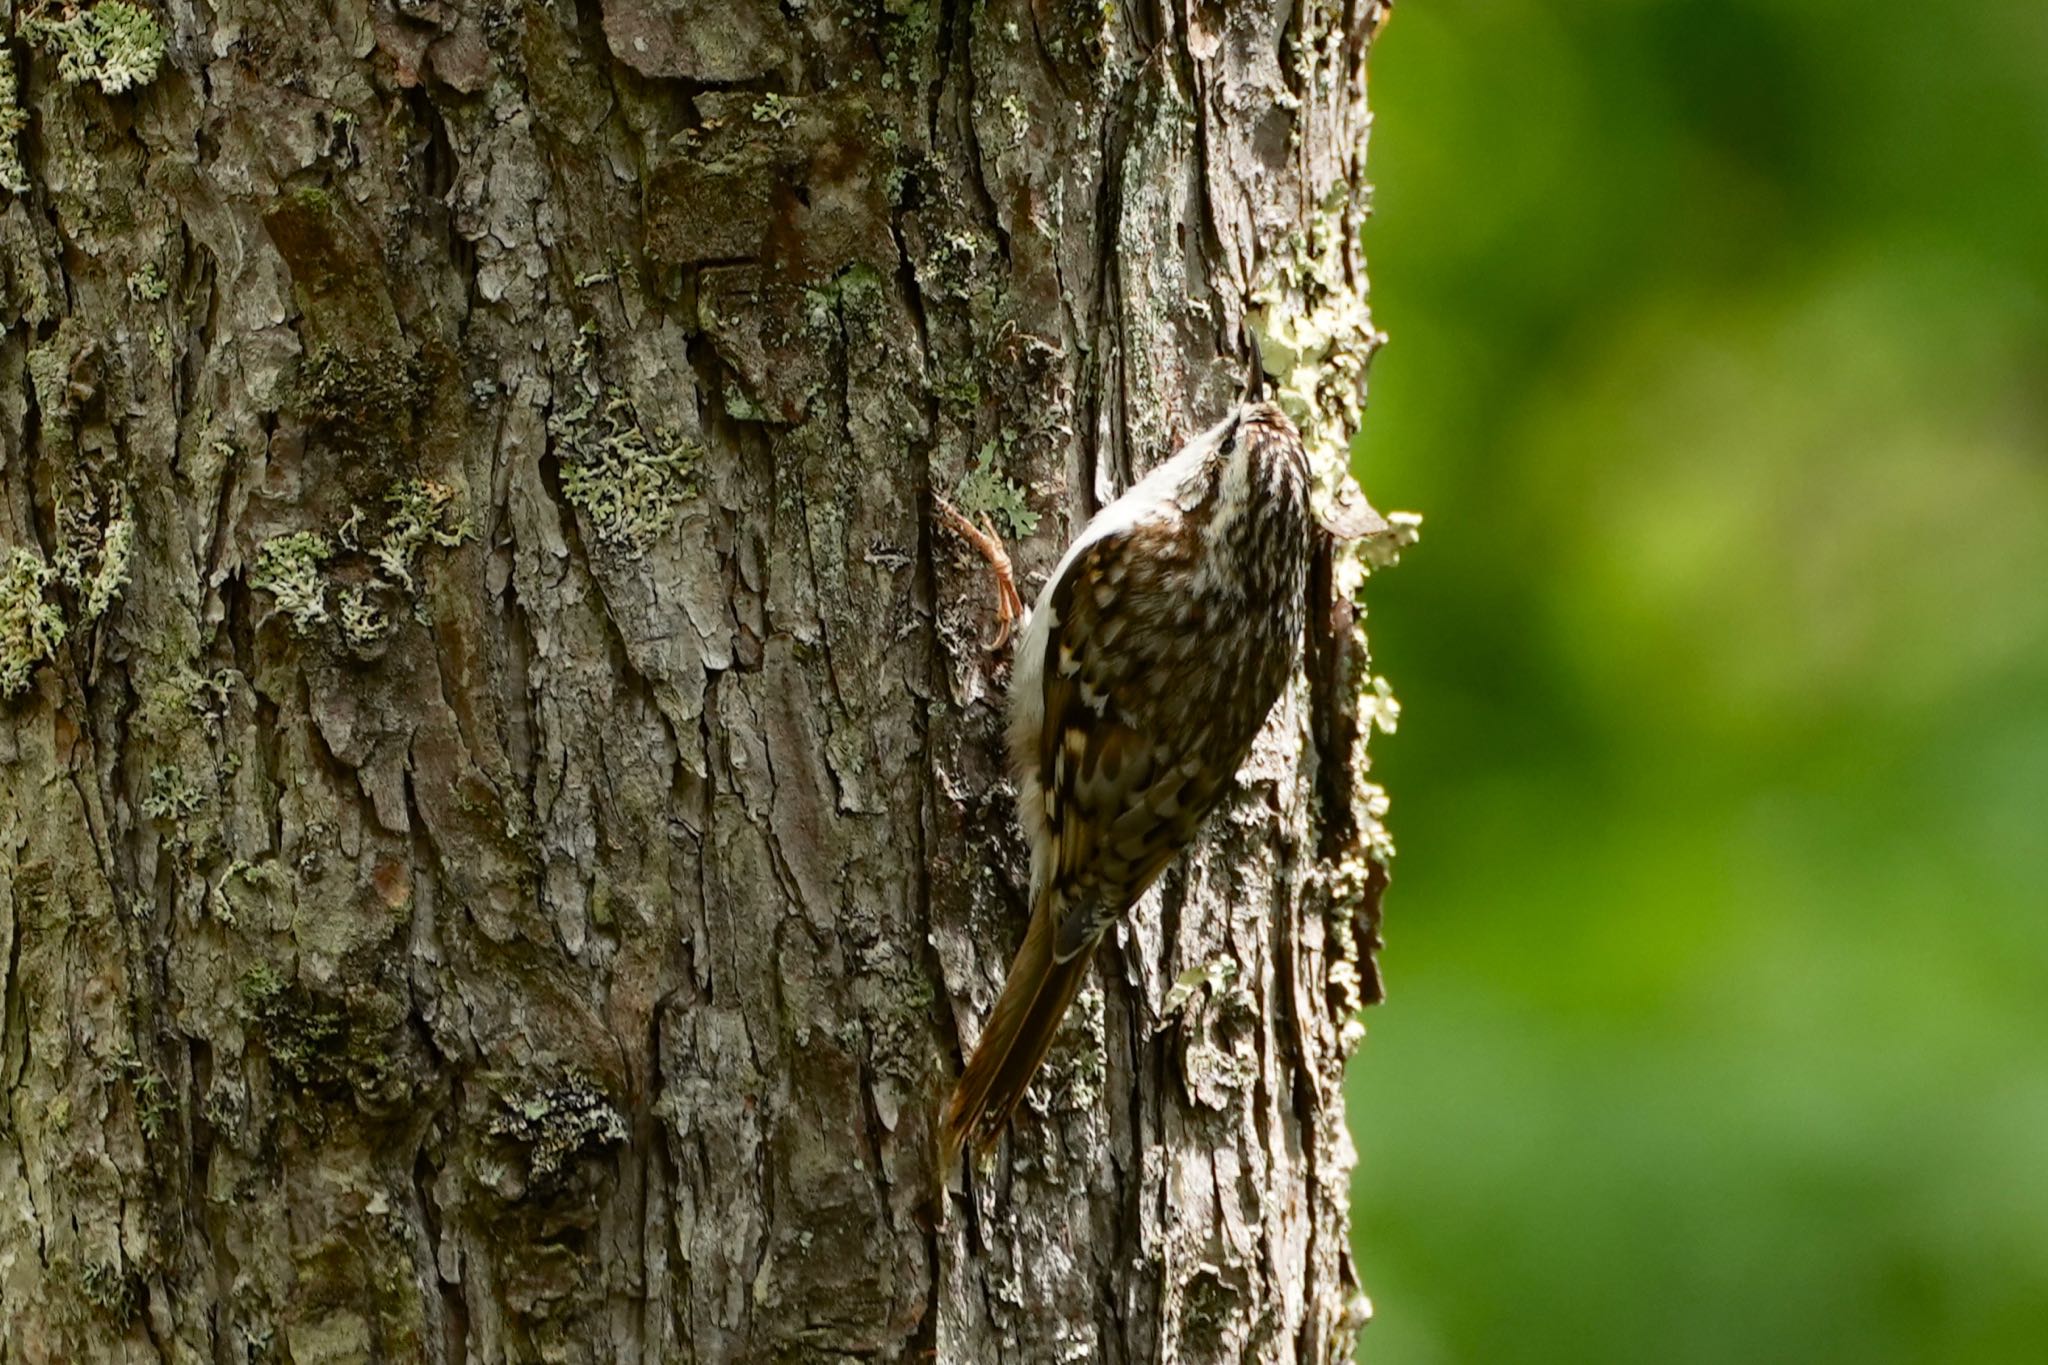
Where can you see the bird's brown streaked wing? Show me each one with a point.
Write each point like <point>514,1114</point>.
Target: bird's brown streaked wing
<point>1124,766</point>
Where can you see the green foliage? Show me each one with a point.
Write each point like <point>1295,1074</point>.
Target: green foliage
<point>116,45</point>
<point>1716,948</point>
<point>30,627</point>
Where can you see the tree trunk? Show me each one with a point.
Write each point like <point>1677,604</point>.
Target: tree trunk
<point>502,829</point>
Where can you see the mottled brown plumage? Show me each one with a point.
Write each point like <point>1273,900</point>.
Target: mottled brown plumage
<point>1149,663</point>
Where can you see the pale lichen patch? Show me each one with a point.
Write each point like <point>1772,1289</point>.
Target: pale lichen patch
<point>627,483</point>
<point>171,795</point>
<point>30,627</point>
<point>423,513</point>
<point>173,700</point>
<point>1316,340</point>
<point>364,624</point>
<point>987,492</point>
<point>111,574</point>
<point>775,109</point>
<point>293,568</point>
<point>1078,1066</point>
<point>266,879</point>
<point>13,174</point>
<point>147,284</point>
<point>288,568</point>
<point>92,560</point>
<point>112,1290</point>
<point>323,1045</point>
<point>555,1122</point>
<point>116,45</point>
<point>1215,976</point>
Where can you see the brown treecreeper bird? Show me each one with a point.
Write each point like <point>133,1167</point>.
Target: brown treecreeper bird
<point>1141,677</point>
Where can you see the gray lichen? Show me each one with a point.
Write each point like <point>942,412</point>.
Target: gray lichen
<point>113,1291</point>
<point>111,575</point>
<point>627,483</point>
<point>30,628</point>
<point>368,396</point>
<point>151,1091</point>
<point>1216,975</point>
<point>288,568</point>
<point>986,492</point>
<point>555,1122</point>
<point>363,622</point>
<point>92,560</point>
<point>13,174</point>
<point>266,879</point>
<point>147,284</point>
<point>171,794</point>
<point>116,45</point>
<point>423,513</point>
<point>1316,340</point>
<point>298,1031</point>
<point>774,109</point>
<point>324,1046</point>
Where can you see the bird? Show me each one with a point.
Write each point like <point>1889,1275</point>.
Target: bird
<point>1141,676</point>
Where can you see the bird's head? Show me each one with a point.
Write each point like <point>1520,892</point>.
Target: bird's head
<point>1257,452</point>
<point>1254,453</point>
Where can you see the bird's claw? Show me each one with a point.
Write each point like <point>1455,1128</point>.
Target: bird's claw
<point>985,540</point>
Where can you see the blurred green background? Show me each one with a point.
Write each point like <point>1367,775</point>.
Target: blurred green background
<point>1718,945</point>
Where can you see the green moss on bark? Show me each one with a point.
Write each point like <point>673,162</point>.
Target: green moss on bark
<point>364,395</point>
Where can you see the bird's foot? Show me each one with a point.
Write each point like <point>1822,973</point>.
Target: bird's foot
<point>1009,605</point>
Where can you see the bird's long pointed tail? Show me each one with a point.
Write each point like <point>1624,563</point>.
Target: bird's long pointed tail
<point>1020,1029</point>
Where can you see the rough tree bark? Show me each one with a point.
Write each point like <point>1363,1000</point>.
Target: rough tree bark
<point>502,836</point>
